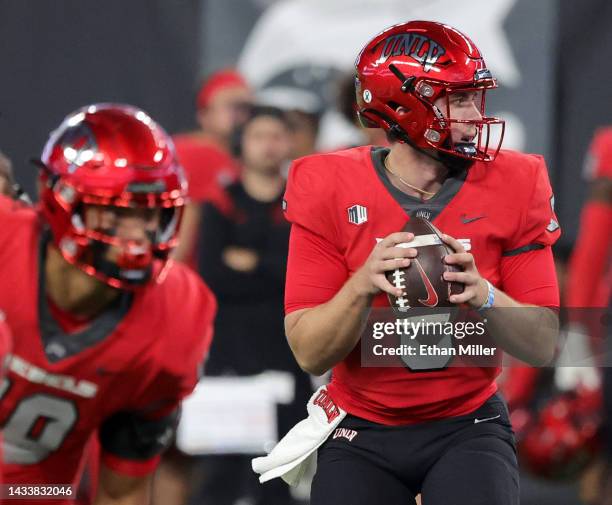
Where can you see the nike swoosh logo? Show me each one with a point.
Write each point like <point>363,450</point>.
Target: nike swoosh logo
<point>432,296</point>
<point>476,421</point>
<point>467,220</point>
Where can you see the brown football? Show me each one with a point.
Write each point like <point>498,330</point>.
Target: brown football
<point>422,280</point>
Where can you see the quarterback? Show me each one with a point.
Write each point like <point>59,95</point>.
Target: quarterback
<point>445,433</point>
<point>101,347</point>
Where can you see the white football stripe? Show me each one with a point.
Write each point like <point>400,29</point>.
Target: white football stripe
<point>421,241</point>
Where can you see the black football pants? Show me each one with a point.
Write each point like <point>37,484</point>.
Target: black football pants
<point>454,461</point>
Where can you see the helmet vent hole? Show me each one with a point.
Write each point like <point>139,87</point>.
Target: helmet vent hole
<point>398,108</point>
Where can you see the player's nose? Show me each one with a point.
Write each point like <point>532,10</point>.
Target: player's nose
<point>474,113</point>
<point>133,230</point>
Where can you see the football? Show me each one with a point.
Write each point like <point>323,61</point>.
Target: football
<point>422,280</point>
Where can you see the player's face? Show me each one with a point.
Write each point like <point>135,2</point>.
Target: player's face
<point>463,105</point>
<point>266,144</point>
<point>129,226</point>
<point>227,108</point>
<point>304,131</point>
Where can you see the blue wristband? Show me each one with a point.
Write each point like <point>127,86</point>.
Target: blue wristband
<point>490,297</point>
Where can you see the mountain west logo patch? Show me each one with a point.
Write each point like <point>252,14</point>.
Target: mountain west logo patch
<point>553,225</point>
<point>357,214</point>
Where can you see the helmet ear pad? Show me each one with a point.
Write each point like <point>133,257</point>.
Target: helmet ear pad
<point>413,116</point>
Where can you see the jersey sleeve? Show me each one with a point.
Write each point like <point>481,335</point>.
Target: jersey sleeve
<point>316,269</point>
<point>133,440</point>
<point>189,340</point>
<point>539,226</point>
<point>598,162</point>
<point>531,278</point>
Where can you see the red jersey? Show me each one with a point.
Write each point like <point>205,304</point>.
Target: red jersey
<point>590,274</point>
<point>207,166</point>
<point>340,203</point>
<point>123,375</point>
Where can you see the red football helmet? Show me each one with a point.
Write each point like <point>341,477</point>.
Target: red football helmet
<point>562,438</point>
<point>117,157</point>
<point>403,71</point>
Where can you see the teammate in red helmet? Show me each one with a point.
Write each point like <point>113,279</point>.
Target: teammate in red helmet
<point>88,287</point>
<point>444,432</point>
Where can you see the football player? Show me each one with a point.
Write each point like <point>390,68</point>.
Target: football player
<point>443,433</point>
<point>222,103</point>
<point>590,272</point>
<point>111,333</point>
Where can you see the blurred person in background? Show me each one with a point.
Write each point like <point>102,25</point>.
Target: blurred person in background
<point>553,456</point>
<point>205,153</point>
<point>244,261</point>
<point>303,110</point>
<point>6,176</point>
<point>304,131</point>
<point>590,278</point>
<point>87,285</point>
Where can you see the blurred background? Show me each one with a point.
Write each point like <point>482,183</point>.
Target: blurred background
<point>551,58</point>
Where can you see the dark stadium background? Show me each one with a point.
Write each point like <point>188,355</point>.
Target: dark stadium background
<point>56,56</point>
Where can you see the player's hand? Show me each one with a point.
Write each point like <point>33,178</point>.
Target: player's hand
<point>476,290</point>
<point>240,259</point>
<point>385,256</point>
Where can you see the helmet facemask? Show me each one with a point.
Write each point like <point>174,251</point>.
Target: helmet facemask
<point>481,144</point>
<point>98,247</point>
<point>441,124</point>
<point>106,164</point>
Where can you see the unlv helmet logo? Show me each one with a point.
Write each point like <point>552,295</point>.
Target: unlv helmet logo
<point>79,146</point>
<point>419,47</point>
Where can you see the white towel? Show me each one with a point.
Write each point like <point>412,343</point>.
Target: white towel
<point>291,456</point>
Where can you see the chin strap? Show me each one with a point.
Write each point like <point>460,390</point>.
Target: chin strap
<point>454,164</point>
<point>396,132</point>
